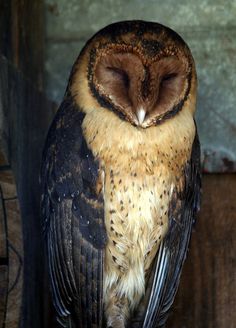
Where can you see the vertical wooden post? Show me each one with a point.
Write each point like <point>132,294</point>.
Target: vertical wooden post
<point>26,114</point>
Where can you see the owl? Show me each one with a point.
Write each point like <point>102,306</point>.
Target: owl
<point>121,178</point>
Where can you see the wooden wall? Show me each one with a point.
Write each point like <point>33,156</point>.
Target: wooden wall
<point>207,292</point>
<point>11,249</point>
<point>25,115</point>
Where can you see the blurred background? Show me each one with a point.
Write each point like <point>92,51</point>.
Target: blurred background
<point>39,41</point>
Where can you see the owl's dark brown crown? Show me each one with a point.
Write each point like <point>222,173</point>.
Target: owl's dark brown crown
<point>142,71</point>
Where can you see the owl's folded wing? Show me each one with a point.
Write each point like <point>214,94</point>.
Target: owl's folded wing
<point>73,221</point>
<point>164,281</point>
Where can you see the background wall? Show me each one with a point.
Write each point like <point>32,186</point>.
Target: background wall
<point>206,298</point>
<point>208,26</point>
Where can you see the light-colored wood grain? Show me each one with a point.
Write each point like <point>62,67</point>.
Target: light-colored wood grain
<point>15,249</point>
<point>7,184</point>
<point>11,251</point>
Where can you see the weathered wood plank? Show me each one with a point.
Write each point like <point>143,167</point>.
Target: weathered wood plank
<point>3,261</point>
<point>206,297</point>
<point>26,115</point>
<point>3,233</point>
<point>11,250</point>
<point>7,184</point>
<point>3,292</point>
<point>15,251</point>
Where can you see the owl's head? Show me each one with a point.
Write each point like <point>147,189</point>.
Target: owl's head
<point>144,72</point>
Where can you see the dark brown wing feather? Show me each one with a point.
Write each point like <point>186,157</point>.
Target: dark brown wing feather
<point>73,221</point>
<point>163,283</point>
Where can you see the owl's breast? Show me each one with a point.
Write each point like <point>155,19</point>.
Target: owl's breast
<point>136,217</point>
<point>141,169</point>
<point>136,202</point>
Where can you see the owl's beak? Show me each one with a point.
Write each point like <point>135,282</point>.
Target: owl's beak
<point>141,113</point>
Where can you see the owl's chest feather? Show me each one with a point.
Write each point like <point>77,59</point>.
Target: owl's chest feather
<point>136,209</point>
<point>141,168</point>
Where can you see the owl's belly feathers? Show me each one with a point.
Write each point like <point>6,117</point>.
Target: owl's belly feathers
<point>136,218</point>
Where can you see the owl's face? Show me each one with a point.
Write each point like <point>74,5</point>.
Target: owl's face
<point>141,71</point>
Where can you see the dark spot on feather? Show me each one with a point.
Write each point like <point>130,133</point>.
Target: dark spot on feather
<point>112,211</point>
<point>120,181</point>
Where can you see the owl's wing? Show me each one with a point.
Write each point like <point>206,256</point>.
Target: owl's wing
<point>173,249</point>
<point>73,218</point>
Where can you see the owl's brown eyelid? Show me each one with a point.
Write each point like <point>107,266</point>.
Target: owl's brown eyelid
<point>117,70</point>
<point>123,75</point>
<point>168,77</point>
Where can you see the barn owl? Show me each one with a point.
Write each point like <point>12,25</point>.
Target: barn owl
<point>121,178</point>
